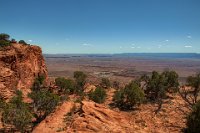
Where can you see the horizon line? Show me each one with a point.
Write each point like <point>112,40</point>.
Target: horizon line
<point>120,53</point>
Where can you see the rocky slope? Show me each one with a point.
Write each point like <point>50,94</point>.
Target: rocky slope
<point>93,117</point>
<point>19,66</point>
<point>98,118</point>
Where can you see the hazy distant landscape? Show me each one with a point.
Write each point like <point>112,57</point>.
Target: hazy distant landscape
<point>122,67</point>
<point>100,66</point>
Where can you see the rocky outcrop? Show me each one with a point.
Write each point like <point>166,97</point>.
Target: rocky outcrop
<point>92,117</point>
<point>98,118</point>
<point>19,66</point>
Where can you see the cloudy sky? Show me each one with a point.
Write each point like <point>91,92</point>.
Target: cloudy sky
<point>104,26</point>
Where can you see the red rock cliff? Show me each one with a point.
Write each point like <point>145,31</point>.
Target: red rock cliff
<point>19,66</point>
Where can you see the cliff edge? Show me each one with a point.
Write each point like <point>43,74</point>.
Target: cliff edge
<point>19,65</point>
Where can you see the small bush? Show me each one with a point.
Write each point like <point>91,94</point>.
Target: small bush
<point>38,83</point>
<point>157,84</point>
<point>4,36</point>
<point>65,85</point>
<point>80,79</point>
<point>119,98</point>
<point>17,113</point>
<point>4,40</point>
<point>105,83</point>
<point>44,102</point>
<point>22,42</point>
<point>194,82</point>
<point>13,41</point>
<point>128,97</point>
<point>98,95</point>
<point>193,120</point>
<point>171,80</point>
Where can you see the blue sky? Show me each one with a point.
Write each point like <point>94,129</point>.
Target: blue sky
<point>104,26</point>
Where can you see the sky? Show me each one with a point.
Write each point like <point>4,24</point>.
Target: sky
<point>104,26</point>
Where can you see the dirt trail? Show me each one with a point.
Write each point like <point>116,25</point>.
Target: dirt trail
<point>54,122</point>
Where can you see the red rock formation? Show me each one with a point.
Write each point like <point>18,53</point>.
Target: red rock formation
<point>92,117</point>
<point>19,66</point>
<point>98,118</point>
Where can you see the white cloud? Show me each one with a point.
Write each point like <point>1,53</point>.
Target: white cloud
<point>138,47</point>
<point>120,47</point>
<point>166,40</point>
<point>30,40</point>
<point>132,47</point>
<point>66,39</point>
<point>133,44</point>
<point>86,44</point>
<point>189,36</point>
<point>188,46</point>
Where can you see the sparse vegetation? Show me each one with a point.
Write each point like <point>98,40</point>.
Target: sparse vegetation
<point>194,82</point>
<point>105,83</point>
<point>98,95</point>
<point>13,41</point>
<point>17,113</point>
<point>193,120</point>
<point>38,83</point>
<point>66,86</point>
<point>44,101</point>
<point>130,96</point>
<point>80,79</point>
<point>171,81</point>
<point>191,95</point>
<point>157,84</point>
<point>116,85</point>
<point>4,40</point>
<point>22,42</point>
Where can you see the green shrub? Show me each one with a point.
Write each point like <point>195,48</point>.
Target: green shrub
<point>44,102</point>
<point>105,83</point>
<point>171,80</point>
<point>4,40</point>
<point>65,85</point>
<point>80,79</point>
<point>98,95</point>
<point>22,42</point>
<point>119,98</point>
<point>157,84</point>
<point>38,83</point>
<point>193,120</point>
<point>13,40</point>
<point>17,113</point>
<point>194,82</point>
<point>4,36</point>
<point>128,97</point>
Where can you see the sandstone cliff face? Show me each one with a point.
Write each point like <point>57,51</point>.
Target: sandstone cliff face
<point>19,66</point>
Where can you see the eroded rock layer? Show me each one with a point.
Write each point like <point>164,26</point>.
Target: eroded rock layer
<point>19,66</point>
